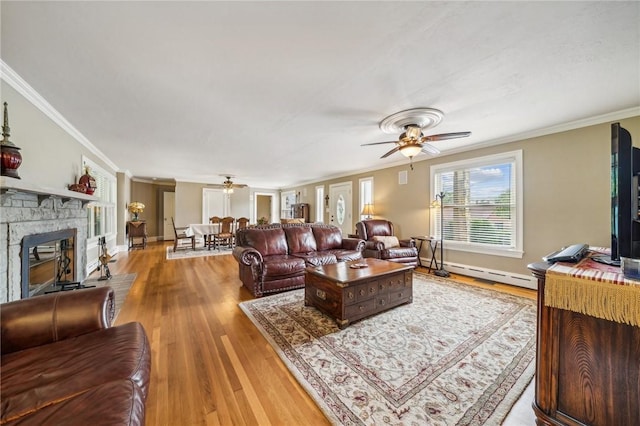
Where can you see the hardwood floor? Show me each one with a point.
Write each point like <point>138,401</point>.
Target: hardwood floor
<point>210,365</point>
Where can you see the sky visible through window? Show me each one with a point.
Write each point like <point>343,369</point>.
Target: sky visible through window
<point>486,183</point>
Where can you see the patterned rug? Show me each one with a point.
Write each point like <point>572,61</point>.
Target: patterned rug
<point>120,284</point>
<point>457,355</point>
<point>200,251</point>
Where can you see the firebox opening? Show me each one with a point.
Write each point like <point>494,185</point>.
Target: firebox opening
<point>48,262</point>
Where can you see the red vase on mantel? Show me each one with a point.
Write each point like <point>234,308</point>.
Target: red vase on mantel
<point>88,181</point>
<point>11,157</point>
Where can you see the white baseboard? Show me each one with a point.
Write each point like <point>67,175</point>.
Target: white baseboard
<point>511,278</point>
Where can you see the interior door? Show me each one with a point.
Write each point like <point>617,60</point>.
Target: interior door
<point>341,210</point>
<point>214,203</point>
<point>168,209</point>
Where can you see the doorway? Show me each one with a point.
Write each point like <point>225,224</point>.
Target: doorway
<point>341,209</point>
<point>263,208</point>
<point>168,209</point>
<point>214,203</point>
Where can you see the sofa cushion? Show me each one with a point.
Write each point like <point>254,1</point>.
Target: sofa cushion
<point>119,402</point>
<point>346,255</point>
<point>327,238</point>
<point>268,241</point>
<point>317,258</point>
<point>389,241</point>
<point>300,239</point>
<point>36,377</point>
<point>282,265</point>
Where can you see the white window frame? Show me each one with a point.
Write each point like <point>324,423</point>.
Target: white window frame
<point>366,194</point>
<point>515,157</point>
<point>320,203</point>
<point>105,207</point>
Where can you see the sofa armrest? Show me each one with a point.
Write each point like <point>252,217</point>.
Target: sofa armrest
<point>408,243</point>
<point>46,319</point>
<point>353,244</point>
<point>374,245</point>
<point>247,255</point>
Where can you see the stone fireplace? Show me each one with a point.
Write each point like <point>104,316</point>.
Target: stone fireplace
<point>54,221</point>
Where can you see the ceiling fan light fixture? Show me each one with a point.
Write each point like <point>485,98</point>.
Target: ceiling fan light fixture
<point>410,151</point>
<point>413,132</point>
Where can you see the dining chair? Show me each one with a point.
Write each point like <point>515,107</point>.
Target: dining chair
<point>241,223</point>
<point>182,234</point>
<point>225,233</point>
<point>208,239</point>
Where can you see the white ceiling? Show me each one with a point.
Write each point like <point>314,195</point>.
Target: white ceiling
<point>279,93</point>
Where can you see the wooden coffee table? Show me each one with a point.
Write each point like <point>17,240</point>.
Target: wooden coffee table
<point>347,294</point>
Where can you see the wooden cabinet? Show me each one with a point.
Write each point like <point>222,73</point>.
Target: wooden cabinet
<point>300,211</point>
<point>137,234</point>
<point>587,368</point>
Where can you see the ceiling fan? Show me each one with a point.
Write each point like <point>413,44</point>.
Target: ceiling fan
<point>411,123</point>
<point>228,185</point>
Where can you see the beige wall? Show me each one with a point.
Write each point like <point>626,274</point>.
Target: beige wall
<point>50,156</point>
<point>151,195</point>
<point>566,194</point>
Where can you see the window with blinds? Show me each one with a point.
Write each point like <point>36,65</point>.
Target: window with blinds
<point>101,214</point>
<point>481,204</point>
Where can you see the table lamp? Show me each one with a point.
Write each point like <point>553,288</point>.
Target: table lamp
<point>136,208</point>
<point>367,210</point>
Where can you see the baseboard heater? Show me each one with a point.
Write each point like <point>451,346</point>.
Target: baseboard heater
<point>511,278</point>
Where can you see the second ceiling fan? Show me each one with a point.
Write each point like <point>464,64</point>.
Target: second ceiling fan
<point>411,123</point>
<point>227,186</point>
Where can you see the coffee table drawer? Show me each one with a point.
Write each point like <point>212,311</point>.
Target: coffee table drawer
<point>360,309</point>
<point>366,290</point>
<point>401,296</point>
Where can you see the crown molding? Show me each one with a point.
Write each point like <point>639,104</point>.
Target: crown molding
<point>30,94</point>
<point>577,124</point>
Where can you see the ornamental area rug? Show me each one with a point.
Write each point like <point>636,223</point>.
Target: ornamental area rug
<point>120,284</point>
<point>457,355</point>
<point>200,251</point>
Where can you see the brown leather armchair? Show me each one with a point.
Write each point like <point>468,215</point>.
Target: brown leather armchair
<point>381,243</point>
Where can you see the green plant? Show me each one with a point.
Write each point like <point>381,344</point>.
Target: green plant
<point>263,221</point>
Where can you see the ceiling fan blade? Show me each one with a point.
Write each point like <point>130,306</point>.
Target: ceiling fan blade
<point>445,136</point>
<point>378,143</point>
<point>430,149</point>
<point>239,185</point>
<point>394,150</point>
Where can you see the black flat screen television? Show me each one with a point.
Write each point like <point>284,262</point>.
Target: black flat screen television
<point>625,224</point>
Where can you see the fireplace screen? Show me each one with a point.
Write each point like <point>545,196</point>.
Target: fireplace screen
<point>48,262</point>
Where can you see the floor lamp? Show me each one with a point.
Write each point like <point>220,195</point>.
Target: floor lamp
<point>441,272</point>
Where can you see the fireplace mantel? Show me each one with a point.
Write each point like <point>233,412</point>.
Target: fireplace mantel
<point>28,209</point>
<point>19,185</point>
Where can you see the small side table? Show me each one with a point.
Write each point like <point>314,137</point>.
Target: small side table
<point>137,230</point>
<point>433,247</point>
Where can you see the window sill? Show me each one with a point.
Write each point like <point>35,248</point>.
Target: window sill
<point>492,251</point>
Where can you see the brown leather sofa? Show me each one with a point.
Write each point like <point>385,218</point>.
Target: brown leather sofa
<point>63,363</point>
<point>273,258</point>
<point>376,232</point>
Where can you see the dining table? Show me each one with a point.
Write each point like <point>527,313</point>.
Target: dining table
<point>204,230</point>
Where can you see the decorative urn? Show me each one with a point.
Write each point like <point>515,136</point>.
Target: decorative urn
<point>88,181</point>
<point>11,157</point>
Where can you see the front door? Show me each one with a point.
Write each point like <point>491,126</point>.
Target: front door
<point>340,195</point>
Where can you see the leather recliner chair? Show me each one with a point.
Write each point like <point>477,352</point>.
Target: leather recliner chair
<point>381,243</point>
